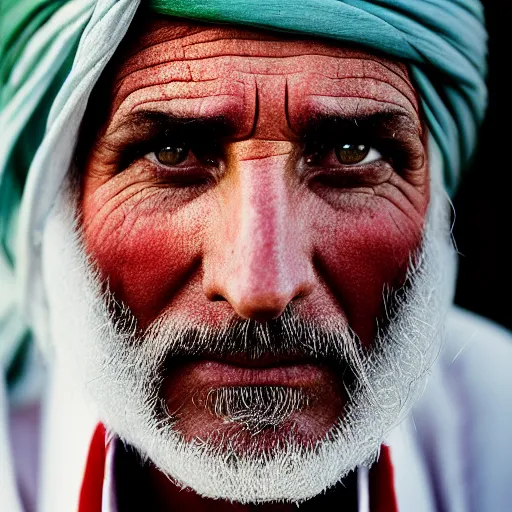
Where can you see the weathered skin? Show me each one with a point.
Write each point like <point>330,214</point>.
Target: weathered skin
<point>259,228</point>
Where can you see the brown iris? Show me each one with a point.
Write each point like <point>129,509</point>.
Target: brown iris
<point>350,154</point>
<point>172,155</point>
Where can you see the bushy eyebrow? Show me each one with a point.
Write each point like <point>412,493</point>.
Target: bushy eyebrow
<point>399,136</point>
<point>144,124</point>
<point>381,124</point>
<point>148,122</point>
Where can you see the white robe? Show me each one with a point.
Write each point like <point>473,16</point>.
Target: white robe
<point>452,453</point>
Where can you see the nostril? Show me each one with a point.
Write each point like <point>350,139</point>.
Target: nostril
<point>300,295</point>
<point>214,293</point>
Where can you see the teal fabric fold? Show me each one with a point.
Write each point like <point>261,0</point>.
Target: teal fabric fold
<point>38,40</point>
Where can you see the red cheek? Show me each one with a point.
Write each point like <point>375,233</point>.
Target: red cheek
<point>358,255</point>
<point>149,263</point>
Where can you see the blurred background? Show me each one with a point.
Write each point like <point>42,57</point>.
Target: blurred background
<point>483,203</point>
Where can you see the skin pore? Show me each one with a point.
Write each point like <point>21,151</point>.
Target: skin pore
<point>234,173</point>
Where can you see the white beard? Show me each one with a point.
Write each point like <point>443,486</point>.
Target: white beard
<point>121,373</point>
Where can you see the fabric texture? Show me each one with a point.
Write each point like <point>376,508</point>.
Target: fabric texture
<point>42,102</point>
<point>37,48</point>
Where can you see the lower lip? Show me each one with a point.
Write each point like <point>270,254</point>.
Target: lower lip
<point>219,374</point>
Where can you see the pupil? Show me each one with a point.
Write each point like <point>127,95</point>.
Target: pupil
<point>352,153</point>
<point>172,155</point>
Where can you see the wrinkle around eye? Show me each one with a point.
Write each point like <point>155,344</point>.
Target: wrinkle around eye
<point>388,188</point>
<point>122,219</point>
<point>402,198</point>
<point>120,209</point>
<point>111,214</point>
<point>109,198</point>
<point>194,177</point>
<point>332,186</point>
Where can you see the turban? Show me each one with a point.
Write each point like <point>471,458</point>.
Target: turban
<point>54,51</point>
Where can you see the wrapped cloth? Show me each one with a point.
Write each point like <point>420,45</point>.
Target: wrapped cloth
<point>53,53</point>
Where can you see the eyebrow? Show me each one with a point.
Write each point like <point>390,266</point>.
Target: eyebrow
<point>377,123</point>
<point>147,122</point>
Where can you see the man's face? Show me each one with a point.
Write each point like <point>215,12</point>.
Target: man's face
<point>252,185</point>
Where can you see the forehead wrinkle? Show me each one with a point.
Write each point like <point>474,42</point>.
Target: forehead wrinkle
<point>399,72</point>
<point>271,62</point>
<point>223,98</point>
<point>302,95</point>
<point>351,91</point>
<point>399,69</point>
<point>273,48</point>
<point>190,72</point>
<point>287,107</point>
<point>362,87</point>
<point>243,106</point>
<point>153,32</point>
<point>293,49</point>
<point>203,71</point>
<point>168,50</point>
<point>171,54</point>
<point>185,61</point>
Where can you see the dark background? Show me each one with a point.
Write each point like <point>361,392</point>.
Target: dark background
<point>483,202</point>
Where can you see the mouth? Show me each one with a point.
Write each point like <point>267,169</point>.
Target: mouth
<point>266,370</point>
<point>263,361</point>
<point>218,373</point>
<point>187,378</point>
<point>288,391</point>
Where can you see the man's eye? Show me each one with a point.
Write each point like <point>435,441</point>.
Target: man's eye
<point>347,154</point>
<point>352,154</point>
<point>172,155</point>
<point>179,164</point>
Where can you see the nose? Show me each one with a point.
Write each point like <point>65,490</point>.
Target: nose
<point>260,262</point>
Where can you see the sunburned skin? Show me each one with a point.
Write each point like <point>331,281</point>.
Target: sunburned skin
<point>261,214</point>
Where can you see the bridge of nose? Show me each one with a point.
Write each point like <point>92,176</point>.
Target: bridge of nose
<point>262,260</point>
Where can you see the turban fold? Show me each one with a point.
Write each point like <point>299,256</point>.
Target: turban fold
<point>42,102</point>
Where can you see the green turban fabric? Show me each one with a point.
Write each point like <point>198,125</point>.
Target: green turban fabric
<point>53,51</point>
